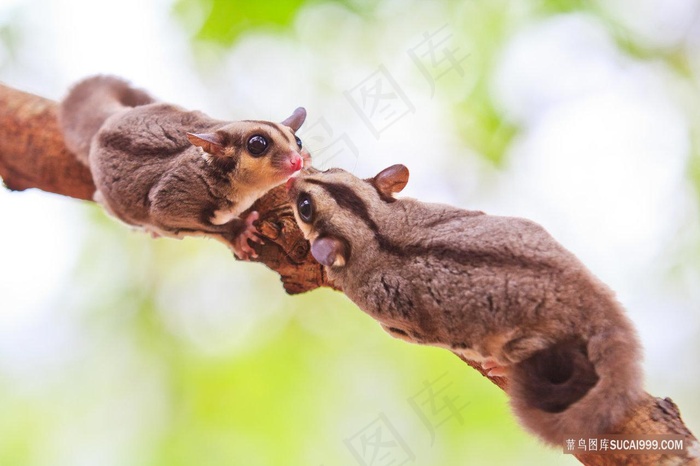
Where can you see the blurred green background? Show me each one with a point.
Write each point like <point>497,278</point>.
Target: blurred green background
<point>117,349</point>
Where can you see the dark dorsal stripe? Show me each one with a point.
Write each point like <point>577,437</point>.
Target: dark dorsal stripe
<point>347,199</point>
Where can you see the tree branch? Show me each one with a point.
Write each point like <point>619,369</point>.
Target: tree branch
<point>33,155</point>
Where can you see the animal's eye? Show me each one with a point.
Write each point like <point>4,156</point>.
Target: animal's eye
<point>257,145</point>
<point>305,207</point>
<point>298,141</point>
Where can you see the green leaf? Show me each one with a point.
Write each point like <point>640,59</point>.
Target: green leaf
<point>224,21</point>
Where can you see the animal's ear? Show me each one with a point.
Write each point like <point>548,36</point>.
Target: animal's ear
<point>391,180</point>
<point>329,251</point>
<point>211,143</point>
<point>296,119</point>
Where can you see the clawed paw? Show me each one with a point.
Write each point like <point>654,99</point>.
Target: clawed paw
<point>241,247</point>
<point>493,368</point>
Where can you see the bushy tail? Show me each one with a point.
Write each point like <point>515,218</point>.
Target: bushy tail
<point>575,389</point>
<point>89,103</point>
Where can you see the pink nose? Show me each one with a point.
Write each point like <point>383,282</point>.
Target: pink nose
<point>296,162</point>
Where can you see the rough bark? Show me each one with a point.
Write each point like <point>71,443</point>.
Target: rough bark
<point>33,155</point>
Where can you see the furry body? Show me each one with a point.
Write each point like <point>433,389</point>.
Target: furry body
<point>173,171</point>
<point>487,287</point>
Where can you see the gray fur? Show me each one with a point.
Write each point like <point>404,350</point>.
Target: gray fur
<point>149,174</point>
<point>486,287</point>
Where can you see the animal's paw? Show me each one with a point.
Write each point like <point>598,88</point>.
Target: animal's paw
<point>241,248</point>
<point>493,368</point>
